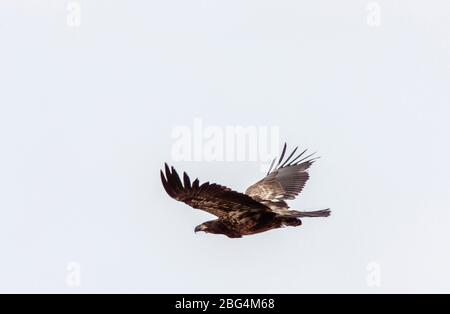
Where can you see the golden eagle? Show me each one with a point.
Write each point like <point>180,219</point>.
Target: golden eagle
<point>263,206</point>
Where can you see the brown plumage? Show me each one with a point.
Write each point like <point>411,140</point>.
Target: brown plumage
<point>261,208</point>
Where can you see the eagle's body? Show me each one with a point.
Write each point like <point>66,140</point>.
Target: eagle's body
<point>260,209</point>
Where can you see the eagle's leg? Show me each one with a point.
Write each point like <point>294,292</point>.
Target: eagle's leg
<point>291,221</point>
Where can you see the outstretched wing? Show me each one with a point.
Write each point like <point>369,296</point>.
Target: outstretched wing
<point>212,198</point>
<point>285,181</point>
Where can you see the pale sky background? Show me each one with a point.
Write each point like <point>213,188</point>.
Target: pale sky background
<point>87,112</point>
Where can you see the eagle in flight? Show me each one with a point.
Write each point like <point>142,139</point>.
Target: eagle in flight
<point>261,208</point>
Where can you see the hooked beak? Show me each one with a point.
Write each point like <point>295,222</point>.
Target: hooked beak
<point>199,228</point>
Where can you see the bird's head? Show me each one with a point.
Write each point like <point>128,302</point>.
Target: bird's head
<point>205,227</point>
<point>217,227</point>
<point>212,226</point>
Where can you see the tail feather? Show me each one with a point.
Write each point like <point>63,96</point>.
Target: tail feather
<point>300,214</point>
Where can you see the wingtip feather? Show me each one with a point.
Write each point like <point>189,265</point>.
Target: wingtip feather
<point>186,180</point>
